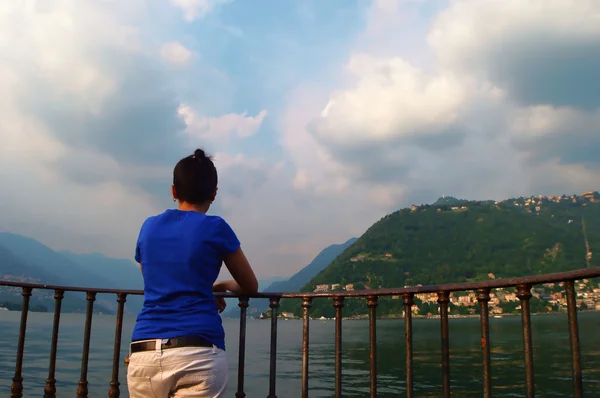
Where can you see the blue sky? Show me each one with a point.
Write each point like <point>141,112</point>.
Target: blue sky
<point>265,48</point>
<point>323,116</point>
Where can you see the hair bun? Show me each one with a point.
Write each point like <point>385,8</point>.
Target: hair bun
<point>199,154</point>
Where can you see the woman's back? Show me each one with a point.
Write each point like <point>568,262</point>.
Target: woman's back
<point>181,254</point>
<point>178,343</point>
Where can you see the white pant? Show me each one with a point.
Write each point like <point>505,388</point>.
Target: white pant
<point>191,372</point>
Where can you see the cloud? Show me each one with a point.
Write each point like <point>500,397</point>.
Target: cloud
<point>91,114</point>
<point>175,53</point>
<point>392,106</point>
<point>314,166</point>
<point>568,135</point>
<point>243,174</point>
<point>392,91</point>
<point>194,9</point>
<point>222,127</point>
<point>541,52</point>
<point>398,128</point>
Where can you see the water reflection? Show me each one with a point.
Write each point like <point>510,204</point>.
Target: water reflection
<point>550,351</point>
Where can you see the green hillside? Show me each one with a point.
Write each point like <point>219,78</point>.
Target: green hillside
<point>436,244</point>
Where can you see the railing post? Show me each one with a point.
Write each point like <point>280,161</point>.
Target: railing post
<point>524,294</point>
<point>82,385</point>
<point>338,304</point>
<point>372,304</point>
<point>443,300</point>
<point>16,389</point>
<point>483,297</point>
<point>114,390</point>
<point>574,340</point>
<point>408,301</point>
<point>306,304</point>
<point>273,304</point>
<point>243,304</point>
<point>50,389</point>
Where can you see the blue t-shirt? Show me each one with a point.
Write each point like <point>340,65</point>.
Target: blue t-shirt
<point>181,253</point>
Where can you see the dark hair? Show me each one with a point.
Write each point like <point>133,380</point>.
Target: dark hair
<point>195,178</point>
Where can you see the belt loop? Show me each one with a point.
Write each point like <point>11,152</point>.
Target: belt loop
<point>158,345</point>
<point>214,349</point>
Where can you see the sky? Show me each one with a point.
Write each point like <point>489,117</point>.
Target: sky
<point>322,116</point>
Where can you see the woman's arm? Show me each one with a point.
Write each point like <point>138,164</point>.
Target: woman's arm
<point>244,280</point>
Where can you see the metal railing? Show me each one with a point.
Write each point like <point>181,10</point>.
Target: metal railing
<point>483,289</point>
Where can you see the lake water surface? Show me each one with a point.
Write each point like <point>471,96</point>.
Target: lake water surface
<point>550,339</point>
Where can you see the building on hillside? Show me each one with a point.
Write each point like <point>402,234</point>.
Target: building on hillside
<point>287,314</point>
<point>322,288</point>
<point>349,287</point>
<point>335,286</point>
<point>357,258</point>
<point>511,297</point>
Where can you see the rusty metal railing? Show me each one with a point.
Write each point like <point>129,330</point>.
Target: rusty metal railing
<point>483,289</point>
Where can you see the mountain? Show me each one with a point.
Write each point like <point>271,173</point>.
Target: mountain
<point>27,260</point>
<point>470,240</point>
<point>50,266</point>
<point>448,200</point>
<point>302,277</point>
<point>119,273</point>
<point>296,281</point>
<point>265,283</point>
<point>12,265</point>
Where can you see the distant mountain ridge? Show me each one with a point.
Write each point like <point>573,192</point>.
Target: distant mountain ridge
<point>119,273</point>
<point>302,277</point>
<point>448,200</point>
<point>27,260</point>
<point>298,280</point>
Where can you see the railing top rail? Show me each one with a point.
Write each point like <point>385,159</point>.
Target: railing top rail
<point>449,287</point>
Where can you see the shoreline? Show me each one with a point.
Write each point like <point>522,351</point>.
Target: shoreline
<point>455,316</point>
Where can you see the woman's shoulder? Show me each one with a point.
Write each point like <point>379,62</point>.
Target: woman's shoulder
<point>220,226</point>
<point>155,221</point>
<point>216,221</point>
<point>150,220</point>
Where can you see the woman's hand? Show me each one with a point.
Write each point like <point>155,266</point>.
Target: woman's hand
<point>221,304</point>
<point>220,287</point>
<point>227,286</point>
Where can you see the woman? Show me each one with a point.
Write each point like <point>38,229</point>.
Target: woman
<point>178,343</point>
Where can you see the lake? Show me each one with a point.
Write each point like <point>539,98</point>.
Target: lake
<point>550,340</point>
